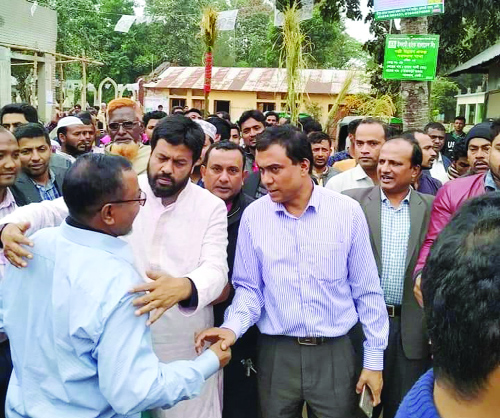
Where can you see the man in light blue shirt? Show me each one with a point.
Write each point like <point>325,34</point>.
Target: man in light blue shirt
<point>77,347</point>
<point>305,273</point>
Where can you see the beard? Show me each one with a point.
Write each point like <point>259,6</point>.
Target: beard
<point>129,150</point>
<point>161,190</point>
<point>75,152</point>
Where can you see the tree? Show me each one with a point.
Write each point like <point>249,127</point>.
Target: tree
<point>415,94</point>
<point>443,101</point>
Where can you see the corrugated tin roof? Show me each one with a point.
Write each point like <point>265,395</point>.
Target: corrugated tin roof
<point>258,79</point>
<point>478,63</point>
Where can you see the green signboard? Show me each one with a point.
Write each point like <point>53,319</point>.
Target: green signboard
<point>397,9</point>
<point>411,57</point>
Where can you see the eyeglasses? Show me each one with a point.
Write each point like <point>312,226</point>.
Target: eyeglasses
<point>128,125</point>
<point>141,200</point>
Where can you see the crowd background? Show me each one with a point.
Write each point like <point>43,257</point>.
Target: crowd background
<point>322,251</point>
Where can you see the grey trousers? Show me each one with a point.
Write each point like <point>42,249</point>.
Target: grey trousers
<point>400,373</point>
<point>323,377</point>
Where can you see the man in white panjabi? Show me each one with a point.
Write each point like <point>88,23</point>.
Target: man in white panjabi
<point>180,231</point>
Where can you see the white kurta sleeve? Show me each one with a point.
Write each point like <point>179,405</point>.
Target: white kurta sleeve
<point>210,276</point>
<point>40,215</point>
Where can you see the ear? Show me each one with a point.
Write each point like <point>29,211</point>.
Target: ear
<point>217,138</point>
<point>245,175</point>
<point>203,170</point>
<point>107,215</point>
<point>62,138</point>
<point>304,166</point>
<point>415,172</point>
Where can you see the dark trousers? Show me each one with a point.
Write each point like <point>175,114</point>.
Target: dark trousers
<point>240,398</point>
<point>400,373</point>
<point>5,372</point>
<point>323,377</point>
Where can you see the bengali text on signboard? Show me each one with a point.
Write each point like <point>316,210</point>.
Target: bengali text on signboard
<point>411,57</point>
<point>397,9</point>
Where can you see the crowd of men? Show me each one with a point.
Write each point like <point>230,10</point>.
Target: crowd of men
<point>145,252</point>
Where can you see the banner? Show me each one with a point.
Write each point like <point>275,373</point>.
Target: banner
<point>227,20</point>
<point>208,72</point>
<point>411,57</point>
<point>396,9</point>
<point>125,23</point>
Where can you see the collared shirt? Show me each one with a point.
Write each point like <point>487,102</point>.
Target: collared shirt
<point>438,170</point>
<point>184,242</point>
<point>80,350</point>
<point>325,176</point>
<point>355,178</point>
<point>48,191</point>
<point>489,183</point>
<point>428,184</point>
<point>395,228</point>
<point>313,275</point>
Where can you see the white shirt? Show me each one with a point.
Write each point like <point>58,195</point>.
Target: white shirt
<point>438,171</point>
<point>185,239</point>
<point>355,178</point>
<point>7,206</point>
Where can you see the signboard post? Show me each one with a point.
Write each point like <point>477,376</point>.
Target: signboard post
<point>397,9</point>
<point>411,57</point>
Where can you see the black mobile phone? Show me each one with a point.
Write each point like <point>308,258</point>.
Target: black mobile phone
<point>366,401</point>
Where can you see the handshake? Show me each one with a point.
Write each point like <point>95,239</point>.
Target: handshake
<point>221,339</point>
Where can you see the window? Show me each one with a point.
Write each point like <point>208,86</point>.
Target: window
<point>222,106</point>
<point>177,102</point>
<point>199,104</point>
<point>266,107</point>
<point>472,114</point>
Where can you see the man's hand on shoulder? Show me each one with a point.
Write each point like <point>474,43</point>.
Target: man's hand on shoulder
<point>162,293</point>
<point>224,336</point>
<point>13,239</point>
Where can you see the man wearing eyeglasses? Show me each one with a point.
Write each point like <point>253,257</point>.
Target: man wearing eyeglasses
<point>78,349</point>
<point>126,131</point>
<point>179,241</point>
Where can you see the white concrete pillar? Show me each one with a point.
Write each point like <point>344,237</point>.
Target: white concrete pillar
<point>46,90</point>
<point>5,77</point>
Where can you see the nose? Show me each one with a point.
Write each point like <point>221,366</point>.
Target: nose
<point>9,162</point>
<point>224,178</point>
<point>35,156</point>
<point>267,179</point>
<point>167,167</point>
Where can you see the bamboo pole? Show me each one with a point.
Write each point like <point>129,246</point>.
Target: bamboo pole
<point>84,86</point>
<point>209,36</point>
<point>35,82</point>
<point>61,89</point>
<point>41,51</point>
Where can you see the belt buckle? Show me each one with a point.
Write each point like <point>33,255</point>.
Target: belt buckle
<point>307,340</point>
<point>391,310</point>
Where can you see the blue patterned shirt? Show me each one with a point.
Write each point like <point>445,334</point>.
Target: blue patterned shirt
<point>395,226</point>
<point>489,183</point>
<point>308,276</point>
<point>48,191</point>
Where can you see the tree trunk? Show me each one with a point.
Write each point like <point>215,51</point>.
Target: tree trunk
<point>415,94</point>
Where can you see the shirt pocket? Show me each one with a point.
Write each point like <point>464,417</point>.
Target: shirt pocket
<point>327,261</point>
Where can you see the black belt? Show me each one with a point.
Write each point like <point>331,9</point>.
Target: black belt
<point>393,310</point>
<point>315,340</point>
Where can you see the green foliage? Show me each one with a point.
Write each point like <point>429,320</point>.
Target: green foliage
<point>443,100</point>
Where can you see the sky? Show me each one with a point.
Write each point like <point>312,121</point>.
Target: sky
<point>357,29</point>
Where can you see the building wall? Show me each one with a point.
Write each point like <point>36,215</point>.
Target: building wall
<point>493,110</point>
<point>19,27</point>
<point>239,100</point>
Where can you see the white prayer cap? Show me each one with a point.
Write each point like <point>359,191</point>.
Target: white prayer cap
<point>68,121</point>
<point>207,127</point>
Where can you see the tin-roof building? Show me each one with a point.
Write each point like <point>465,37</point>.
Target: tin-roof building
<point>235,90</point>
